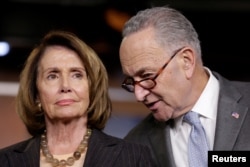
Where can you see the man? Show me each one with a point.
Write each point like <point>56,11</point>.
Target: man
<point>160,54</point>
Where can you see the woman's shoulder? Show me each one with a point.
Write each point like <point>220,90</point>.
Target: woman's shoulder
<point>21,145</point>
<point>107,138</point>
<point>114,151</point>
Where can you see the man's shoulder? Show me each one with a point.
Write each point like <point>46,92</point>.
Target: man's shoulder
<point>230,82</point>
<point>233,87</point>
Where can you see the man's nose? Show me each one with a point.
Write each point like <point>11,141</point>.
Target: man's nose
<point>140,93</point>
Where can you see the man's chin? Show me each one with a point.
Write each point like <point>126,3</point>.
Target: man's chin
<point>159,116</point>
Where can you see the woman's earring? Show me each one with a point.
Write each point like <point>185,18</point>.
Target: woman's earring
<point>40,106</point>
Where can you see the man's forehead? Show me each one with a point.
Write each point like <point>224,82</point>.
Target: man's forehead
<point>138,66</point>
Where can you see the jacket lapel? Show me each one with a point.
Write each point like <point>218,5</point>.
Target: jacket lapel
<point>159,137</point>
<point>100,145</point>
<point>26,154</point>
<point>228,125</point>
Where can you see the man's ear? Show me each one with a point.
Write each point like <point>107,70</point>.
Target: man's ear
<point>189,61</point>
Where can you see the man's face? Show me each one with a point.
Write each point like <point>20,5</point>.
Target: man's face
<point>141,58</point>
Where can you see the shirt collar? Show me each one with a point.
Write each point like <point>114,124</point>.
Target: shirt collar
<point>206,105</point>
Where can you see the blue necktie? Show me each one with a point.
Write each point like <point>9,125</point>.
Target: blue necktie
<point>197,143</point>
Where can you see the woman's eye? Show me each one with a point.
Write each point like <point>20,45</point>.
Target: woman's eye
<point>51,76</point>
<point>77,75</point>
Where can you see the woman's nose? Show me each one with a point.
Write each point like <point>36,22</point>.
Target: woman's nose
<point>65,87</point>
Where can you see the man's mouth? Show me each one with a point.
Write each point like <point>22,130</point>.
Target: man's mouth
<point>152,106</point>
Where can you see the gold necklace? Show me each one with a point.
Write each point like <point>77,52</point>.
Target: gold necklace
<point>71,160</point>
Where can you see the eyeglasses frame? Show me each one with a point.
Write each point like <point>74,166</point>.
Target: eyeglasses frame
<point>125,86</point>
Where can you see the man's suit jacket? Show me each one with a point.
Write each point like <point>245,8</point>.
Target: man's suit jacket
<point>103,151</point>
<point>230,134</point>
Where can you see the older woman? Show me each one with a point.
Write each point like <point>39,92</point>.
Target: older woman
<point>63,101</point>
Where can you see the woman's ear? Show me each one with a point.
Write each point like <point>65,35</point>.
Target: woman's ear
<point>38,103</point>
<point>38,99</point>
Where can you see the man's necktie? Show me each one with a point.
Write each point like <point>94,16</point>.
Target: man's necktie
<point>197,143</point>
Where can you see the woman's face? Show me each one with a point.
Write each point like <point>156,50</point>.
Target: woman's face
<point>62,84</point>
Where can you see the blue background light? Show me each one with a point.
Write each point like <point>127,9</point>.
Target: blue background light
<point>4,48</point>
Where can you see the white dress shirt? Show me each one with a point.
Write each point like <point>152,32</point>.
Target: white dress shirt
<point>206,106</point>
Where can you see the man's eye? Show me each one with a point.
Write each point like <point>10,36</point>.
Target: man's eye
<point>148,75</point>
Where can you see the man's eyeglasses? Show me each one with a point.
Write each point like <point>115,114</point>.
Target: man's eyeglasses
<point>148,83</point>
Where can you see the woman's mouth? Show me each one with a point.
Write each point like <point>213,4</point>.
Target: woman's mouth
<point>65,102</point>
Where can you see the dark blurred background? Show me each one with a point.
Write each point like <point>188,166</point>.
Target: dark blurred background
<point>223,27</point>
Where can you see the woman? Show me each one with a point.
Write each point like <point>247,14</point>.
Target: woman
<point>63,101</point>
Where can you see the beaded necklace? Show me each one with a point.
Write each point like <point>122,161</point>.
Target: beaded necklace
<point>71,160</point>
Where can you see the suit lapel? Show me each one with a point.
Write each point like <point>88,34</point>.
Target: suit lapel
<point>159,138</point>
<point>26,154</point>
<point>227,125</point>
<point>101,150</point>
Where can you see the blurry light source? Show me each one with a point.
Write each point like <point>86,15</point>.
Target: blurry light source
<point>4,48</point>
<point>116,19</point>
